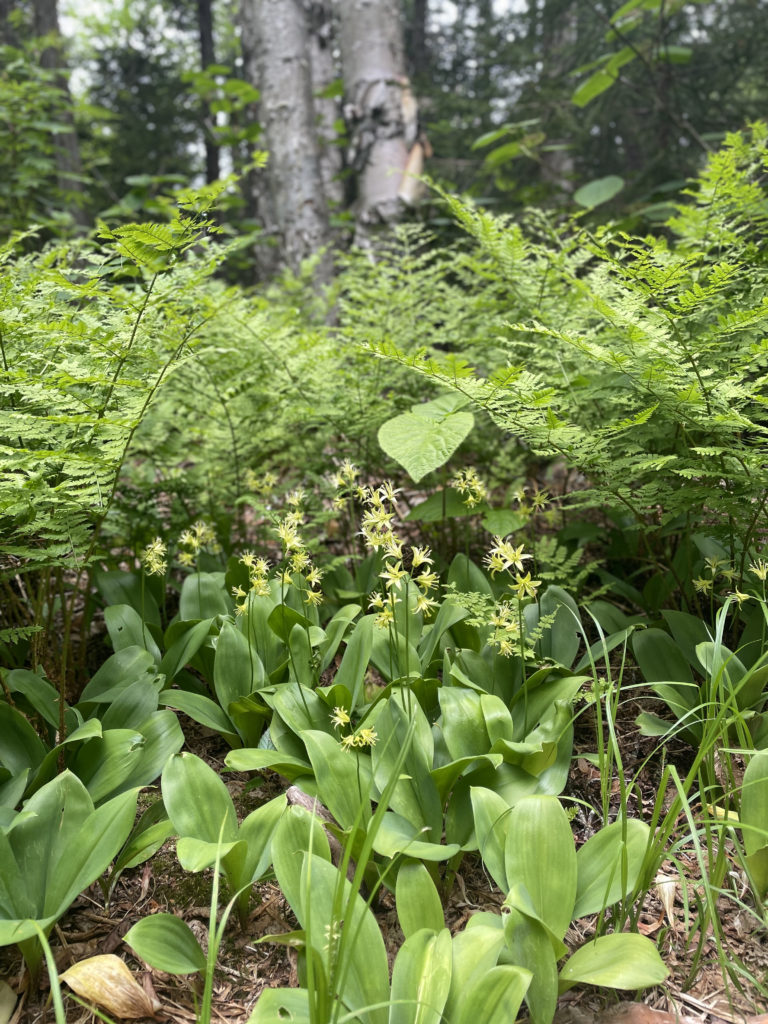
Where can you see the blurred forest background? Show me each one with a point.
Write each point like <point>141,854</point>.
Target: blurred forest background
<point>515,103</point>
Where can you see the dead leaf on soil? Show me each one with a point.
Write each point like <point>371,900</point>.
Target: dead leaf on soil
<point>7,1002</point>
<point>107,981</point>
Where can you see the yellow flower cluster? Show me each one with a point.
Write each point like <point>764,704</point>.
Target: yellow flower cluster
<point>470,486</point>
<point>200,535</point>
<point>153,558</point>
<point>261,485</point>
<point>506,629</point>
<point>299,560</point>
<point>362,738</point>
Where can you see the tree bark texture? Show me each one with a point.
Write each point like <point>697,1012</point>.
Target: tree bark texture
<point>275,34</point>
<point>380,109</point>
<point>207,57</point>
<point>327,108</point>
<point>70,168</point>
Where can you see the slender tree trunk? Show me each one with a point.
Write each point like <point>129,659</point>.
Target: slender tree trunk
<point>327,108</point>
<point>380,109</point>
<point>275,34</point>
<point>8,36</point>
<point>207,57</point>
<point>417,50</point>
<point>70,168</point>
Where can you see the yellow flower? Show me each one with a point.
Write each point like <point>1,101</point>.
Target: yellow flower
<point>421,556</point>
<point>524,586</point>
<point>702,586</point>
<point>314,576</point>
<point>340,717</point>
<point>313,597</point>
<point>760,569</point>
<point>425,604</point>
<point>427,581</point>
<point>367,737</point>
<point>392,573</point>
<point>739,598</point>
<point>153,558</point>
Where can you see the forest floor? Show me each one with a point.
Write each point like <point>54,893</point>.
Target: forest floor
<point>696,993</point>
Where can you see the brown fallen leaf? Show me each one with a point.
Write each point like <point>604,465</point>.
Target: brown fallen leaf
<point>107,981</point>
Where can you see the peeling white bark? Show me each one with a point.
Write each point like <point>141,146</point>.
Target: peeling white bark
<point>380,110</point>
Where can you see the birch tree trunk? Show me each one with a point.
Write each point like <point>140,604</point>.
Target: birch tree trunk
<point>275,35</point>
<point>380,109</point>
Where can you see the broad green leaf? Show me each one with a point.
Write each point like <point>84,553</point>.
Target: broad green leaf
<point>530,947</point>
<point>445,504</point>
<point>133,706</point>
<point>659,657</point>
<point>607,867</point>
<point>237,669</point>
<point>425,438</point>
<point>421,978</point>
<point>281,1006</point>
<point>354,663</point>
<point>494,998</point>
<point>297,832</point>
<point>463,722</point>
<point>197,801</point>
<point>126,629</point>
<point>395,835</point>
<point>120,670</point>
<point>203,596</point>
<point>183,650</point>
<point>256,832</point>
<point>491,814</point>
<point>106,761</point>
<point>253,759</point>
<point>475,952</point>
<point>43,697</point>
<point>200,709</point>
<point>540,855</point>
<point>198,854</point>
<point>336,631</point>
<point>166,943</point>
<point>418,902</point>
<point>623,960</point>
<point>366,974</point>
<point>344,789</point>
<point>599,191</point>
<point>754,803</point>
<point>20,746</point>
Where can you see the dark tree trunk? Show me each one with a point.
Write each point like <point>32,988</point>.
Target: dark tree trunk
<point>207,57</point>
<point>70,168</point>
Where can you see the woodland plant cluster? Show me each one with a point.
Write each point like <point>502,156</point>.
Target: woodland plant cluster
<point>394,543</point>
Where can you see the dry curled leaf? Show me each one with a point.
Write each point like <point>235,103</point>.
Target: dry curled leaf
<point>666,889</point>
<point>106,981</point>
<point>8,1000</point>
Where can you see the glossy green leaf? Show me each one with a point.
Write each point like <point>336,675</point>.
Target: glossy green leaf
<point>754,803</point>
<point>540,855</point>
<point>197,801</point>
<point>421,978</point>
<point>491,815</point>
<point>344,789</point>
<point>530,947</point>
<point>624,960</point>
<point>203,596</point>
<point>126,629</point>
<point>297,832</point>
<point>183,650</point>
<point>395,835</point>
<point>237,669</point>
<point>281,1006</point>
<point>200,709</point>
<point>166,943</point>
<point>417,900</point>
<point>494,998</point>
<point>608,867</point>
<point>475,952</point>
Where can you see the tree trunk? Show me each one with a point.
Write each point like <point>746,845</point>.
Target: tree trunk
<point>275,34</point>
<point>207,57</point>
<point>8,35</point>
<point>380,109</point>
<point>70,168</point>
<point>327,109</point>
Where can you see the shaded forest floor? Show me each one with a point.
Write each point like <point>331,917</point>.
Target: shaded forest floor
<point>697,990</point>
